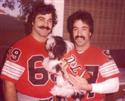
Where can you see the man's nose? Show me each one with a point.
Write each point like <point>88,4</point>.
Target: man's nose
<point>79,32</point>
<point>45,23</point>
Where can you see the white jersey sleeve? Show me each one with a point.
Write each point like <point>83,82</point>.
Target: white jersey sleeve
<point>109,86</point>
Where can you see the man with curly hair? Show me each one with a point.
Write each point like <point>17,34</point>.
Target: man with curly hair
<point>24,77</point>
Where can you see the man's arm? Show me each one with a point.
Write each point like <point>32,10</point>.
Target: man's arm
<point>108,86</point>
<point>9,91</point>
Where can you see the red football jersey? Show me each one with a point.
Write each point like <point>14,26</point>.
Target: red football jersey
<point>97,63</point>
<point>23,66</point>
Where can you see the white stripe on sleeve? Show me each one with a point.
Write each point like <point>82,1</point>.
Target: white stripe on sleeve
<point>108,69</point>
<point>12,70</point>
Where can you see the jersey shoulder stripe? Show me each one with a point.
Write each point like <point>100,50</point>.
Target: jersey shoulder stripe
<point>108,69</point>
<point>12,70</point>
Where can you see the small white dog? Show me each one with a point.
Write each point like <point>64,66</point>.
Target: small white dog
<point>57,47</point>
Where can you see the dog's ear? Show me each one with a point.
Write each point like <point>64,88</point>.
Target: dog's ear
<point>50,43</point>
<point>69,45</point>
<point>60,47</point>
<point>59,51</point>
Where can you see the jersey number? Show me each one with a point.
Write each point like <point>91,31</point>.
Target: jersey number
<point>34,71</point>
<point>14,54</point>
<point>93,70</point>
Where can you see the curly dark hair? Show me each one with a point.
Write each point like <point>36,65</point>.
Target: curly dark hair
<point>41,8</point>
<point>79,15</point>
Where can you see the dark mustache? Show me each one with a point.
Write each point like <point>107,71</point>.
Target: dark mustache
<point>43,27</point>
<point>80,37</point>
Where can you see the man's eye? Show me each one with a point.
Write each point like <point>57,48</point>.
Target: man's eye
<point>84,29</point>
<point>41,19</point>
<point>49,21</point>
<point>74,29</point>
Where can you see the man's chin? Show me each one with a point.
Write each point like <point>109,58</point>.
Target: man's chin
<point>44,33</point>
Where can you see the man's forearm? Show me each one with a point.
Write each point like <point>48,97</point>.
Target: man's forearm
<point>108,86</point>
<point>9,91</point>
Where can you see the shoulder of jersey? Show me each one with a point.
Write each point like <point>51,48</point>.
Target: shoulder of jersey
<point>21,42</point>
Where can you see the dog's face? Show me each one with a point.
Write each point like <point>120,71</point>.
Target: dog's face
<point>56,47</point>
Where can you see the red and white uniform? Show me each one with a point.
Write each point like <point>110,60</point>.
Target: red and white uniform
<point>94,61</point>
<point>23,66</point>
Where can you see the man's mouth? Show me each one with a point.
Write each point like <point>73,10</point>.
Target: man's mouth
<point>43,27</point>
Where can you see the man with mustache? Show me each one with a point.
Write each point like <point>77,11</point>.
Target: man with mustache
<point>89,59</point>
<point>24,77</point>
